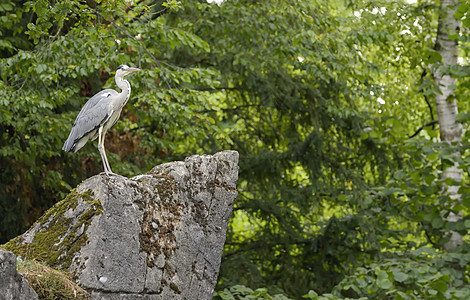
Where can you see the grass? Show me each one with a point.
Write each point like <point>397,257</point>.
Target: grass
<point>50,284</point>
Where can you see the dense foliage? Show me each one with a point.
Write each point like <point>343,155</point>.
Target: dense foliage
<point>328,103</point>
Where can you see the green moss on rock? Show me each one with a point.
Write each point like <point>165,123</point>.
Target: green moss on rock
<point>58,237</point>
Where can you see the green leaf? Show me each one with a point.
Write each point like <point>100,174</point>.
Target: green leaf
<point>437,222</point>
<point>382,280</point>
<point>467,224</point>
<point>385,284</point>
<point>399,175</point>
<point>401,296</point>
<point>399,276</point>
<point>311,295</point>
<point>462,117</point>
<point>439,285</point>
<point>466,22</point>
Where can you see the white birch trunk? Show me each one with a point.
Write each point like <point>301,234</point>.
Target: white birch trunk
<point>446,104</point>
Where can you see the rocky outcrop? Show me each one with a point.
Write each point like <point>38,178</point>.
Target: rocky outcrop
<point>12,285</point>
<point>158,235</point>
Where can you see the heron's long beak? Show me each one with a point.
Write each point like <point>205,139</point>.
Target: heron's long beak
<point>133,70</point>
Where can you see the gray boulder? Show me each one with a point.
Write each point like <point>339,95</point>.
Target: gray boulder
<point>13,286</point>
<point>158,235</point>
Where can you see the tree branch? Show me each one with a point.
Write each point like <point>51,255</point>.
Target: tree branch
<point>214,88</point>
<point>426,97</point>
<point>228,109</point>
<point>432,123</point>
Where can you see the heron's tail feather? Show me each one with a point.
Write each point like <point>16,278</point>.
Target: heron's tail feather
<point>69,145</point>
<point>74,142</point>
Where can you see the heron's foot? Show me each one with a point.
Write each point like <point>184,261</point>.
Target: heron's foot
<point>109,173</point>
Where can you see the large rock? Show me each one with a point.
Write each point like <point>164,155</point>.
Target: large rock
<point>159,235</point>
<point>13,286</point>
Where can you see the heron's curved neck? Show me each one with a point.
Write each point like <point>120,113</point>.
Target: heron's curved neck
<point>123,84</point>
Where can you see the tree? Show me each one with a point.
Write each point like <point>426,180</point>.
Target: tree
<point>295,122</point>
<point>446,106</point>
<point>394,202</point>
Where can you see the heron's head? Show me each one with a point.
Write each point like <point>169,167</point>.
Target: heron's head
<point>124,70</point>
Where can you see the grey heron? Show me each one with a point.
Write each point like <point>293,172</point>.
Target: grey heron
<point>99,114</point>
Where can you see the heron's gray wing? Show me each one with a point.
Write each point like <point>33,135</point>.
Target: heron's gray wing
<point>93,114</point>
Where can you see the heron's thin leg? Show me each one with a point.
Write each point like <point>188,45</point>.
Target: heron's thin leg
<point>105,157</point>
<point>104,152</point>
<point>107,163</point>
<point>101,149</point>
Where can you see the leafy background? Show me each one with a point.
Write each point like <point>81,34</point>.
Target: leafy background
<point>340,193</point>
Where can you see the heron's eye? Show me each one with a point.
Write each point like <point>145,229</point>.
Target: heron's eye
<point>121,67</point>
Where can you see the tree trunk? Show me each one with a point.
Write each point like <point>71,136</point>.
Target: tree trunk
<point>446,104</point>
